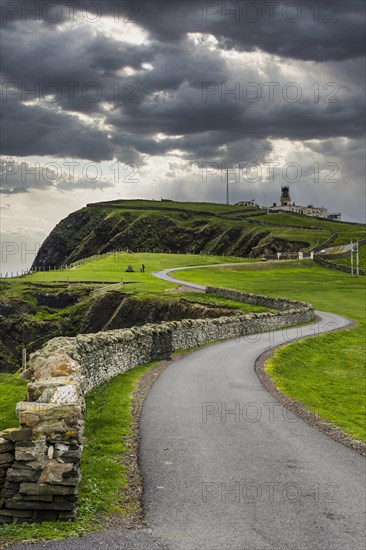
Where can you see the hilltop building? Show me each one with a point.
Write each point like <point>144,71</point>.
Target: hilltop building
<point>247,203</point>
<point>310,210</point>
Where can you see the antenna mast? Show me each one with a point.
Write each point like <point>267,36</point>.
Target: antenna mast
<point>227,186</point>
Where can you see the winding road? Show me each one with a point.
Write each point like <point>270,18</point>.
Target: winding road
<point>226,467</point>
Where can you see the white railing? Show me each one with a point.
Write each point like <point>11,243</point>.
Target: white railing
<point>99,291</point>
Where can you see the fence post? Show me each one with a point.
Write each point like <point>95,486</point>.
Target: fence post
<point>24,358</point>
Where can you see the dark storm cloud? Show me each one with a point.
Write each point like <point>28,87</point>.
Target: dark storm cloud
<point>318,31</point>
<point>56,56</point>
<point>79,55</point>
<point>169,92</point>
<point>33,130</point>
<point>186,114</point>
<point>78,68</point>
<point>206,126</point>
<point>296,29</point>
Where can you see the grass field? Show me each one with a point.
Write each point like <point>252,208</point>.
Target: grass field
<point>226,223</point>
<point>326,373</point>
<point>217,208</point>
<point>112,268</point>
<point>296,230</point>
<point>48,319</point>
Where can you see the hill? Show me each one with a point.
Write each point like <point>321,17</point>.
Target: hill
<point>177,227</point>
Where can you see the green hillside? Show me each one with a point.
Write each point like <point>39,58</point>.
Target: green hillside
<point>343,231</point>
<point>185,227</point>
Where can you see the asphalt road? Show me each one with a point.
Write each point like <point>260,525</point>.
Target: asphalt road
<point>126,539</point>
<point>225,467</point>
<point>257,478</point>
<point>165,275</point>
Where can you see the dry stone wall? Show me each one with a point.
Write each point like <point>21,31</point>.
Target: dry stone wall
<point>40,460</point>
<point>258,300</point>
<point>332,265</point>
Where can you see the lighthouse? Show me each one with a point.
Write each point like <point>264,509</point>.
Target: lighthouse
<point>285,196</point>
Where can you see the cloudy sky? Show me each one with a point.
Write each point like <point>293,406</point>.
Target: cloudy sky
<point>135,99</point>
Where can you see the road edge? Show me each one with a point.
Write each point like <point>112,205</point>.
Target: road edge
<point>297,407</point>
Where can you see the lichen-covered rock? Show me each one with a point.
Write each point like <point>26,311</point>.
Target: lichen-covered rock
<point>54,472</point>
<point>17,434</point>
<point>49,417</point>
<point>26,451</point>
<point>44,391</point>
<point>58,363</point>
<point>65,394</point>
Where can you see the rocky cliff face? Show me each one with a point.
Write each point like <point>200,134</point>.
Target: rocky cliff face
<point>62,312</point>
<point>35,318</point>
<point>62,242</point>
<point>115,310</point>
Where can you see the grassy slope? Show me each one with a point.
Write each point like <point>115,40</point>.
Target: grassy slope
<point>111,269</point>
<point>345,232</point>
<point>184,221</point>
<point>327,373</point>
<point>310,235</point>
<point>52,321</point>
<point>180,227</point>
<point>218,208</point>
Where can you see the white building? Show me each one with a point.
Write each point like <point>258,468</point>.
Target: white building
<point>247,203</point>
<point>309,210</point>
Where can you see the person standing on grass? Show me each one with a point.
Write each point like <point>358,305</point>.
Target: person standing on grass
<point>143,268</point>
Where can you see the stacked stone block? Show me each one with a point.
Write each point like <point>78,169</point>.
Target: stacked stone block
<point>7,452</point>
<point>282,304</point>
<point>41,481</point>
